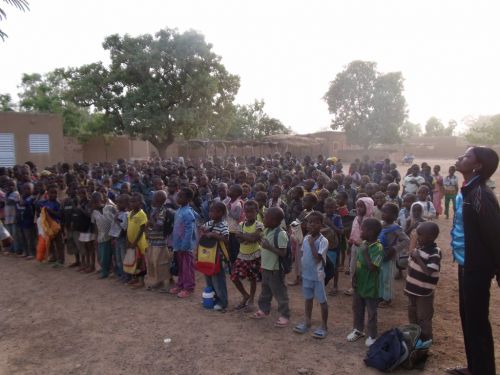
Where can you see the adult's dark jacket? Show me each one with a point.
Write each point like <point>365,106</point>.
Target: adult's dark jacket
<point>481,214</point>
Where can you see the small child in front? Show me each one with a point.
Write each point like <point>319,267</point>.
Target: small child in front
<point>314,251</point>
<point>423,276</point>
<point>273,246</point>
<point>366,282</point>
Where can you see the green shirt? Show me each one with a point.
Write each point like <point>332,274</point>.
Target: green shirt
<point>367,281</point>
<point>269,260</point>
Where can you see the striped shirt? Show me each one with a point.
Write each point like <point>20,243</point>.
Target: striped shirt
<point>418,283</point>
<point>219,227</point>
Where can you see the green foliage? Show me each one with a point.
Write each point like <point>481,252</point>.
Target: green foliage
<point>22,5</point>
<point>251,122</point>
<point>6,104</point>
<point>410,130</point>
<point>485,130</point>
<point>435,127</point>
<point>367,104</point>
<point>48,93</point>
<point>158,87</point>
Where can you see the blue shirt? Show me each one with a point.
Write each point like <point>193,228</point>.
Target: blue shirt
<point>184,233</point>
<point>311,268</point>
<point>54,206</point>
<point>457,232</point>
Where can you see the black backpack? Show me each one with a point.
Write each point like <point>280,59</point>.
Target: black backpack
<point>287,260</point>
<point>387,352</point>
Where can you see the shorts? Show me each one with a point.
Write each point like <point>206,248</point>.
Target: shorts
<point>245,269</point>
<point>314,289</point>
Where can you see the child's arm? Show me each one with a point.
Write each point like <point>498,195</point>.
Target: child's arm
<point>337,229</point>
<point>142,229</point>
<point>189,227</point>
<point>372,267</point>
<point>425,268</point>
<point>281,252</point>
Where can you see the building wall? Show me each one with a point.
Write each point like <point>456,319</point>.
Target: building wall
<point>21,125</point>
<point>73,150</point>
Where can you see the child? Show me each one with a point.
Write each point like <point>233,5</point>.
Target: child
<point>82,224</point>
<point>276,201</point>
<point>342,199</point>
<point>53,208</point>
<point>261,199</point>
<point>429,212</point>
<point>364,210</point>
<point>314,249</point>
<point>235,216</point>
<point>450,186</point>
<point>395,242</point>
<point>217,228</point>
<point>184,243</point>
<point>158,257</point>
<point>379,200</point>
<point>415,220</point>
<point>136,238</point>
<point>366,282</point>
<point>247,264</point>
<point>404,212</point>
<point>423,276</point>
<point>295,208</point>
<point>118,233</point>
<point>69,207</point>
<point>392,194</point>
<point>12,199</point>
<point>333,222</point>
<point>26,228</point>
<point>273,245</point>
<point>103,215</point>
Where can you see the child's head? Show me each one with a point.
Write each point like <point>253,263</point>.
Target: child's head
<point>408,200</point>
<point>347,181</point>
<point>427,233</point>
<point>370,229</point>
<point>392,190</point>
<point>125,189</point>
<point>297,193</point>
<point>245,190</point>
<point>437,169</point>
<point>158,183</point>
<point>423,193</point>
<point>122,202</point>
<point>360,208</point>
<point>276,192</point>
<point>452,170</point>
<point>217,211</point>
<point>341,198</point>
<point>10,186</point>
<point>371,188</point>
<point>332,186</point>
<point>309,201</point>
<point>323,194</point>
<point>159,198</point>
<point>135,202</point>
<point>379,199</point>
<point>52,192</point>
<point>173,186</point>
<point>184,196</point>
<point>97,200</point>
<point>309,185</point>
<point>27,189</point>
<point>273,217</point>
<point>389,213</point>
<point>314,223</point>
<point>251,208</point>
<point>416,211</point>
<point>261,198</point>
<point>330,206</point>
<point>222,190</point>
<point>235,191</point>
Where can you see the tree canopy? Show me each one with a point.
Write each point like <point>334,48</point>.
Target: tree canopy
<point>435,127</point>
<point>157,87</point>
<point>22,5</point>
<point>484,130</point>
<point>368,105</point>
<point>410,130</point>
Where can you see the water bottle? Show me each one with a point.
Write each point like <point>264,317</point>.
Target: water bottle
<point>208,298</point>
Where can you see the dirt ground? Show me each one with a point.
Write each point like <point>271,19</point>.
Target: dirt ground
<point>63,322</point>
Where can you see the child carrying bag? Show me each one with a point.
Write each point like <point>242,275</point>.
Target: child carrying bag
<point>208,257</point>
<point>130,261</point>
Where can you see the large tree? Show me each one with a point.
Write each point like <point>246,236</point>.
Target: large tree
<point>22,5</point>
<point>158,87</point>
<point>485,130</point>
<point>435,127</point>
<point>410,130</point>
<point>6,104</point>
<point>368,105</point>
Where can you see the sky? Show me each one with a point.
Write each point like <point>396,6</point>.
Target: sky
<point>286,52</point>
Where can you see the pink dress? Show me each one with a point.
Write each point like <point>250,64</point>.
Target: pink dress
<point>437,194</point>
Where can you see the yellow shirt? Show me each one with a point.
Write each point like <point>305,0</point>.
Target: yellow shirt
<point>247,248</point>
<point>134,225</point>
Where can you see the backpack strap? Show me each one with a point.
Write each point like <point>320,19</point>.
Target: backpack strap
<point>276,235</point>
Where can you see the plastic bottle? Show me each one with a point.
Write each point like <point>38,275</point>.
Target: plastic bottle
<point>208,298</point>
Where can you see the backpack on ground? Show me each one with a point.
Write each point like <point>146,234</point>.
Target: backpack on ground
<point>416,356</point>
<point>285,262</point>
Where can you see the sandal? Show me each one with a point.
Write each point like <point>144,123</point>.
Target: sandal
<point>355,335</point>
<point>184,294</point>
<point>301,328</point>
<point>259,315</point>
<point>175,290</point>
<point>348,292</point>
<point>458,371</point>
<point>319,333</point>
<point>281,322</point>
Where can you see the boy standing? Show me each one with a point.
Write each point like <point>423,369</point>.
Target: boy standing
<point>314,250</point>
<point>274,245</point>
<point>102,218</point>
<point>366,282</point>
<point>450,185</point>
<point>423,276</point>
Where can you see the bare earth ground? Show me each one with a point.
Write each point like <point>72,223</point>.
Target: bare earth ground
<point>63,322</point>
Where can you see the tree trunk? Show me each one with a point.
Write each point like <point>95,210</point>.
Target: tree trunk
<point>163,145</point>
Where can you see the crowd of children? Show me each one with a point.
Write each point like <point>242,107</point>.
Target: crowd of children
<point>151,224</point>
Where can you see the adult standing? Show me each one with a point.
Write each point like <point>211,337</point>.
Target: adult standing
<point>477,251</point>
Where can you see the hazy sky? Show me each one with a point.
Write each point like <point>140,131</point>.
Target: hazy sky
<point>287,52</point>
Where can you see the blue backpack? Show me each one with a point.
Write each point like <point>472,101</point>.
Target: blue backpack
<point>387,352</point>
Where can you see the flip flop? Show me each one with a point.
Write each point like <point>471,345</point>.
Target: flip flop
<point>259,315</point>
<point>281,322</point>
<point>319,333</point>
<point>301,328</point>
